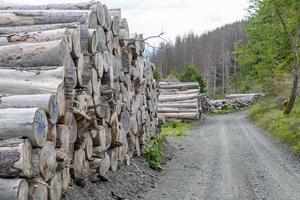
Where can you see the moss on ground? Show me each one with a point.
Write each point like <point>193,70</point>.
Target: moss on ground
<point>154,150</point>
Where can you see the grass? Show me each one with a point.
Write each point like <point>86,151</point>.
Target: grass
<point>154,150</point>
<point>226,110</point>
<point>270,116</point>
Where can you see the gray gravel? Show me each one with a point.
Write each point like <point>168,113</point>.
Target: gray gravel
<point>228,157</point>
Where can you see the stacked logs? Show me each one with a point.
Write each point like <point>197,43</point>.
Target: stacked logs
<point>179,100</point>
<point>76,95</point>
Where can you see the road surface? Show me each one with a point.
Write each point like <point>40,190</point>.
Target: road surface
<point>227,157</point>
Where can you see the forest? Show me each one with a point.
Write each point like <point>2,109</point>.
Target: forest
<point>212,53</point>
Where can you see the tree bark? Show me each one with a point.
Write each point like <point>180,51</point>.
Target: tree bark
<point>13,189</point>
<point>25,122</point>
<point>15,158</point>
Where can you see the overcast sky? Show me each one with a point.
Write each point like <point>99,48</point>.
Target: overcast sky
<point>174,17</point>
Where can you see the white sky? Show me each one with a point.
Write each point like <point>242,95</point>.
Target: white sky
<point>174,17</point>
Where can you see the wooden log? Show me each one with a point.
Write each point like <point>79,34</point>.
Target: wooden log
<point>47,102</point>
<point>67,6</point>
<point>101,39</point>
<point>169,98</point>
<point>27,122</point>
<point>15,158</point>
<point>178,105</point>
<point>66,179</point>
<point>13,189</point>
<point>116,22</point>
<point>114,159</point>
<point>109,41</point>
<point>70,121</point>
<point>36,28</point>
<point>182,115</point>
<point>93,41</point>
<point>53,53</point>
<point>77,37</point>
<point>98,63</point>
<point>79,159</point>
<point>182,86</point>
<point>52,134</point>
<point>125,121</point>
<point>83,70</point>
<point>176,91</point>
<point>38,36</point>
<point>55,187</point>
<point>88,146</point>
<point>38,189</point>
<point>108,20</point>
<point>44,161</point>
<point>36,17</point>
<point>176,110</point>
<point>63,141</point>
<point>105,165</point>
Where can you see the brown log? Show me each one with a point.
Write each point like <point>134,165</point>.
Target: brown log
<point>13,189</point>
<point>44,161</point>
<point>101,39</point>
<point>27,122</point>
<point>88,146</point>
<point>15,158</point>
<point>46,101</point>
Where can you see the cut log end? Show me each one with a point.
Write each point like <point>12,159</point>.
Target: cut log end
<point>40,127</point>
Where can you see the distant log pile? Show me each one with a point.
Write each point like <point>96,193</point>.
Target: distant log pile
<point>236,101</point>
<point>76,95</point>
<point>179,100</point>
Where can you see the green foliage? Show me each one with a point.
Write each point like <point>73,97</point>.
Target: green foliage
<point>286,128</point>
<point>156,75</point>
<point>226,110</point>
<point>190,73</point>
<point>154,150</point>
<point>267,57</point>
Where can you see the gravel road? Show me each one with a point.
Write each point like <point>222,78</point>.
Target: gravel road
<point>228,157</point>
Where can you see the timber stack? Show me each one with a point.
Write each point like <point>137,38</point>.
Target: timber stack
<point>236,101</point>
<point>179,100</point>
<point>76,95</point>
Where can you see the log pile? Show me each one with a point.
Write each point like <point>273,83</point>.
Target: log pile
<point>76,95</point>
<point>179,100</point>
<point>236,101</point>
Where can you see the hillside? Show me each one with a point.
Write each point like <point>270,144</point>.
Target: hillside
<point>211,53</point>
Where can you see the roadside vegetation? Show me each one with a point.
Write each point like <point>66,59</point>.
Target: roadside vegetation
<point>154,150</point>
<point>269,115</point>
<point>224,111</point>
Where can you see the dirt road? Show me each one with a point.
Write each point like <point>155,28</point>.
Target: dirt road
<point>229,158</point>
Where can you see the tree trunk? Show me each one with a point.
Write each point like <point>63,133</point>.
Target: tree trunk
<point>15,158</point>
<point>13,189</point>
<point>53,53</point>
<point>38,189</point>
<point>55,187</point>
<point>44,161</point>
<point>27,122</point>
<point>47,102</point>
